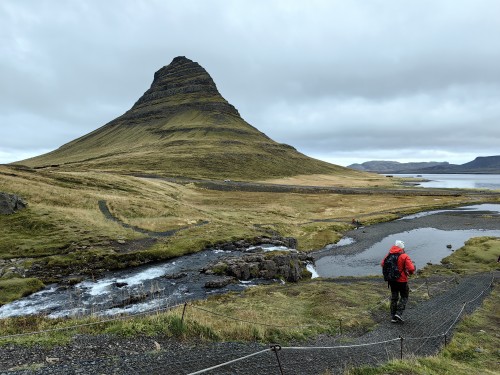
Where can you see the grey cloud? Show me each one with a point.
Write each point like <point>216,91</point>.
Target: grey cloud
<point>322,76</point>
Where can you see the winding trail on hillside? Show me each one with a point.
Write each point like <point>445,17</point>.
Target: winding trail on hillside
<point>423,330</point>
<point>103,206</point>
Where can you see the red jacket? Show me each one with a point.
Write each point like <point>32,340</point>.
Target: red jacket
<point>405,265</point>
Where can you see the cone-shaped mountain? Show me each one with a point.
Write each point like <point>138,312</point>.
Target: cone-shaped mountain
<point>182,126</point>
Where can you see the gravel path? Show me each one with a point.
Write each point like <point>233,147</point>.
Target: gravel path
<point>140,355</point>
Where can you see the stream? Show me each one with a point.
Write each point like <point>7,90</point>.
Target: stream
<point>423,245</point>
<point>132,291</point>
<point>426,245</point>
<point>159,286</point>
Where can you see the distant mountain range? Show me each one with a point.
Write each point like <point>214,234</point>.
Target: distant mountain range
<point>481,164</point>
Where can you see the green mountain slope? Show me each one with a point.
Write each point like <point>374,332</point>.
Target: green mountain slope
<point>182,126</point>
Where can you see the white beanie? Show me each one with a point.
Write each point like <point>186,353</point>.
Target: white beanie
<point>400,244</point>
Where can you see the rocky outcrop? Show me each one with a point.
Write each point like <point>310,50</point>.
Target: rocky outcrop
<point>256,243</point>
<point>221,282</point>
<point>290,266</point>
<point>10,203</point>
<point>181,85</point>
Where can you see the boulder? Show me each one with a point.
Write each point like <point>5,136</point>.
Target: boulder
<point>220,282</point>
<point>244,245</point>
<point>289,266</point>
<point>175,276</point>
<point>10,203</point>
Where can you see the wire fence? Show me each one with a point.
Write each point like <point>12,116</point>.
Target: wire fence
<point>275,348</point>
<point>185,305</point>
<point>103,321</point>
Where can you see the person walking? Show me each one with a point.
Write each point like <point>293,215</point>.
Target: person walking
<point>396,266</point>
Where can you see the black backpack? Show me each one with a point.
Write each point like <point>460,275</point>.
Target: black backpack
<point>390,269</point>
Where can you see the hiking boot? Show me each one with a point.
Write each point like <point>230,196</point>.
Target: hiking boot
<point>394,320</point>
<point>398,318</point>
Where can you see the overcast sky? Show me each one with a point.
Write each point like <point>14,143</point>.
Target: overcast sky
<point>343,81</point>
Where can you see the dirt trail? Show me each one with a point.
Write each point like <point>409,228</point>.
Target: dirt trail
<point>103,207</point>
<point>305,189</point>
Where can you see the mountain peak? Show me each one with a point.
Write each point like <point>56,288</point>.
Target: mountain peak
<point>182,84</point>
<point>182,126</point>
<point>180,59</point>
<point>180,65</point>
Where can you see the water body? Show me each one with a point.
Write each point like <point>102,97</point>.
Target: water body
<point>423,245</point>
<point>129,291</point>
<point>180,280</point>
<point>458,181</point>
<point>428,245</point>
<point>495,208</point>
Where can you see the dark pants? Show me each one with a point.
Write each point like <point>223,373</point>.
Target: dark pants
<point>400,292</point>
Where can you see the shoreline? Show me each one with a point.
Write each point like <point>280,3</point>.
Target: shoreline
<point>365,237</point>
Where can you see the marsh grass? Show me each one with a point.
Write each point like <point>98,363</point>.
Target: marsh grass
<point>284,313</point>
<point>351,178</point>
<point>291,313</point>
<point>63,209</point>
<point>64,205</point>
<point>49,332</point>
<point>479,254</point>
<point>63,225</point>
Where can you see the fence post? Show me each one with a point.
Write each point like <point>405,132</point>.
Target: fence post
<point>401,346</point>
<point>275,348</point>
<point>427,286</point>
<point>183,312</point>
<point>340,321</point>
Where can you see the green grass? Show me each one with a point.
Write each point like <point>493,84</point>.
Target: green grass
<point>189,143</point>
<point>474,347</point>
<point>479,254</point>
<point>63,231</point>
<point>16,287</point>
<point>298,312</point>
<point>294,312</point>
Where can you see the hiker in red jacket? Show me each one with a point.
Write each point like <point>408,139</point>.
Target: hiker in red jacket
<point>399,281</point>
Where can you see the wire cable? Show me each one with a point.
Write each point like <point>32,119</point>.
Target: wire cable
<point>229,362</point>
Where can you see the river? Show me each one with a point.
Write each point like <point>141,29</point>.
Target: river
<point>457,181</point>
<point>153,287</point>
<point>423,244</point>
<point>131,291</point>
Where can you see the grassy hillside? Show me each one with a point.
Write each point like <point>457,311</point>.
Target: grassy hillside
<point>63,232</point>
<point>189,144</point>
<point>182,126</point>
